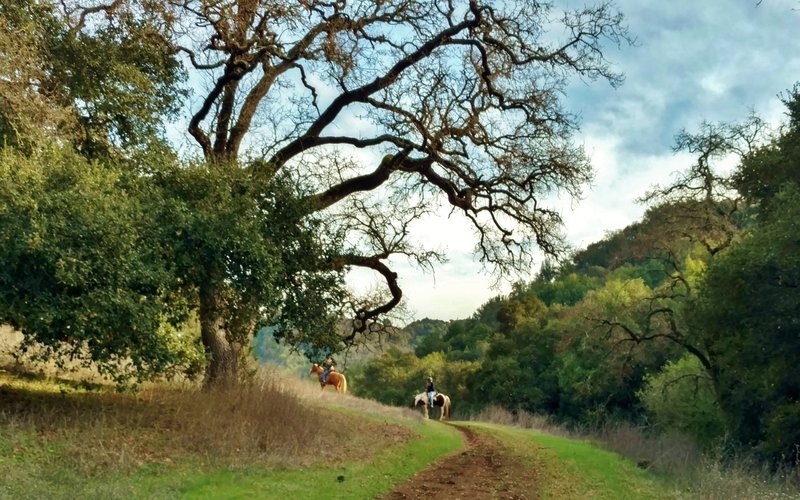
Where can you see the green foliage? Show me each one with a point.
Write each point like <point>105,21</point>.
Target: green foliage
<point>567,290</point>
<point>681,397</point>
<point>619,300</point>
<point>97,258</point>
<point>652,272</point>
<point>603,365</point>
<point>396,377</point>
<point>487,313</point>
<point>81,271</point>
<point>113,77</point>
<point>430,344</point>
<point>246,240</point>
<point>389,379</point>
<point>25,113</point>
<point>606,253</point>
<point>122,81</point>
<point>519,371</point>
<point>466,340</point>
<point>211,228</point>
<point>746,312</point>
<point>763,173</point>
<point>421,329</point>
<point>522,307</point>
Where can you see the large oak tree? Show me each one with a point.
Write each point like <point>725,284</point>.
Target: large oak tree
<point>422,100</point>
<point>377,112</point>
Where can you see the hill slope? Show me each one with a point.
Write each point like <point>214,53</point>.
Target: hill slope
<point>282,439</point>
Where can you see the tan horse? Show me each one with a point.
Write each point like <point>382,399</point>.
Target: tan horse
<point>335,378</point>
<point>440,400</point>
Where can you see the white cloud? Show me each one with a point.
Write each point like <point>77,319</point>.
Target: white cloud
<point>715,84</point>
<point>621,178</point>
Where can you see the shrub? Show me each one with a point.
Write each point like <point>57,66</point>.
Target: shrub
<point>681,398</point>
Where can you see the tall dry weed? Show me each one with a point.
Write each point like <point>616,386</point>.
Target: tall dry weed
<point>706,475</point>
<point>272,420</point>
<point>665,452</point>
<point>522,419</point>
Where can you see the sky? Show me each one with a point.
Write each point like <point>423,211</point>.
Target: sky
<point>712,60</point>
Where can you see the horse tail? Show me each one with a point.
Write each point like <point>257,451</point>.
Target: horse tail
<point>448,407</point>
<point>344,384</point>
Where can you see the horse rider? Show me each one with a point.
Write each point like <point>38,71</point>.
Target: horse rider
<point>328,364</point>
<point>430,390</point>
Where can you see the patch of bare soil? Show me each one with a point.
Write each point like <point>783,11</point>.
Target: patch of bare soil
<point>485,469</point>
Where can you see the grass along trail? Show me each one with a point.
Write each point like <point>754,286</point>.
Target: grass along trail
<point>280,438</point>
<point>483,470</point>
<point>502,462</point>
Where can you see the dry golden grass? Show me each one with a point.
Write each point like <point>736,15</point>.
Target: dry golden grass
<point>13,359</point>
<point>275,420</point>
<point>669,452</point>
<point>521,419</point>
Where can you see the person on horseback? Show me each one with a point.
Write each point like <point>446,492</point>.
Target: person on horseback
<point>327,364</point>
<point>430,390</point>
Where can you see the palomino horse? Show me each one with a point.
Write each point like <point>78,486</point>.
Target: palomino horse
<point>335,378</point>
<point>440,400</point>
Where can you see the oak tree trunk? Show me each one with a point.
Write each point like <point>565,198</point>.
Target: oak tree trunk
<point>222,352</point>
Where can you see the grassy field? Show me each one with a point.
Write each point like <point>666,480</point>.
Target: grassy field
<point>277,437</point>
<point>281,439</point>
<point>195,478</point>
<point>351,479</point>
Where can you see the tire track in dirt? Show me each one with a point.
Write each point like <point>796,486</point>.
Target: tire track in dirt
<point>485,469</point>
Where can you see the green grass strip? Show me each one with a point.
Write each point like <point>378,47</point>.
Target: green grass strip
<point>347,480</point>
<point>570,468</point>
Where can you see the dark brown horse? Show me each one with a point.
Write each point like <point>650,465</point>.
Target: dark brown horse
<point>335,378</point>
<point>440,400</point>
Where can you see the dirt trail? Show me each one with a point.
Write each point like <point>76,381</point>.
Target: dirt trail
<point>485,469</point>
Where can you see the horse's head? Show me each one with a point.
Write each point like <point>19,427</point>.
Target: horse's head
<point>314,368</point>
<point>419,399</point>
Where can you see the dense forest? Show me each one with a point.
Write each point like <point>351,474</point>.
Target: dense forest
<point>123,252</point>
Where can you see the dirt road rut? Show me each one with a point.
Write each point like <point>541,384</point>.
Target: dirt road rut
<point>484,470</point>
